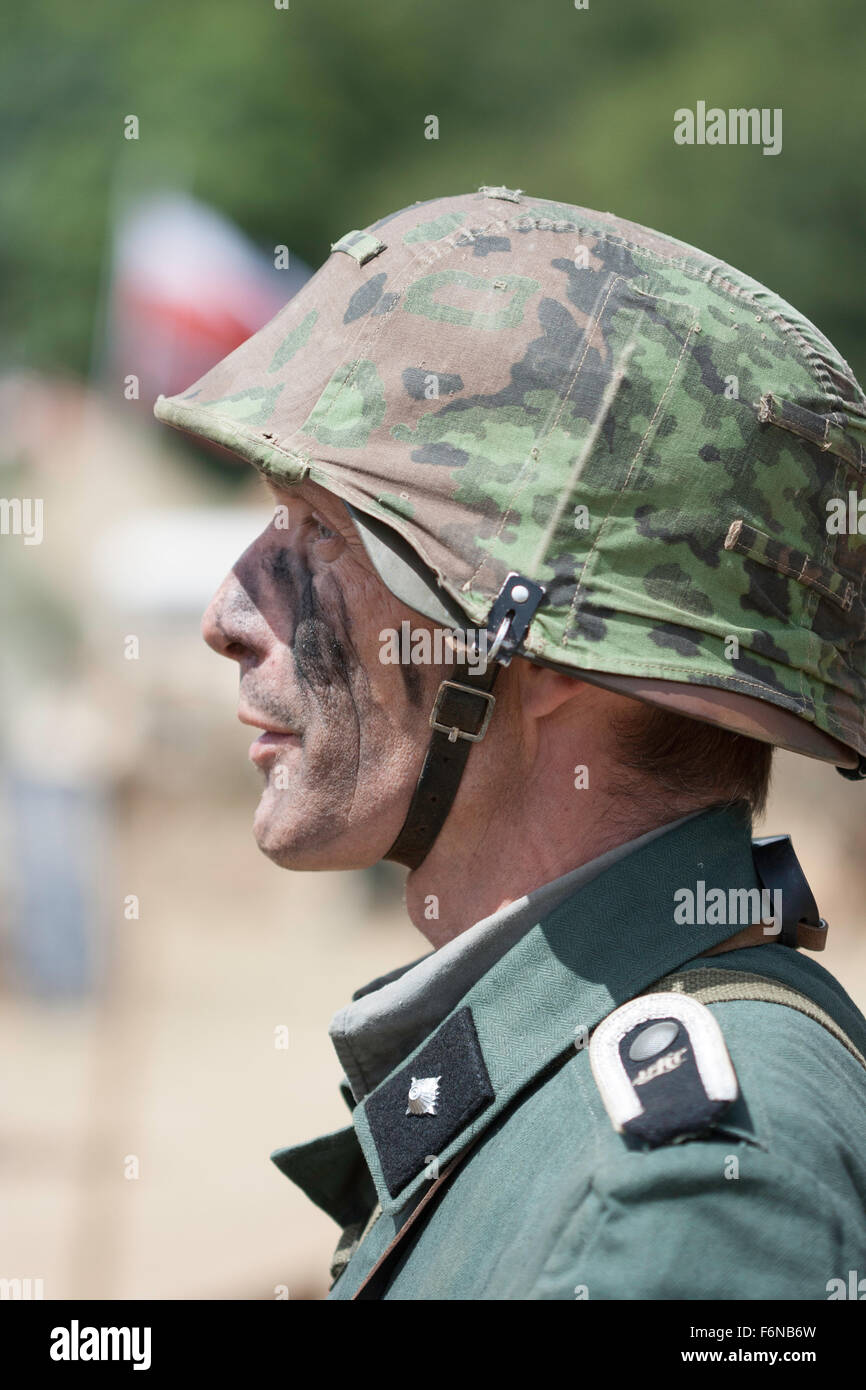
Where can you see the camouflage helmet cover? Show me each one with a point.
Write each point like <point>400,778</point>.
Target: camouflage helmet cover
<point>499,383</point>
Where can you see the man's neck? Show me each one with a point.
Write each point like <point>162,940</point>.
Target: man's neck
<point>475,870</point>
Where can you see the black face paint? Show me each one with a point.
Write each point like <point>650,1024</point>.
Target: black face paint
<point>412,683</point>
<point>327,665</point>
<point>324,656</point>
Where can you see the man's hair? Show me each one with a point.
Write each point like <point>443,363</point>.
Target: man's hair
<point>693,761</point>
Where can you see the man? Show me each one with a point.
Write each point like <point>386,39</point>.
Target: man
<point>605,465</point>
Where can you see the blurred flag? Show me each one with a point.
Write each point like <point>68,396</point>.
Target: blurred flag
<point>186,287</point>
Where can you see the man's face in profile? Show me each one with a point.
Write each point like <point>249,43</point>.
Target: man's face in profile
<point>342,732</point>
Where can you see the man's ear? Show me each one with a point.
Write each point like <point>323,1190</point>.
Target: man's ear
<point>542,691</point>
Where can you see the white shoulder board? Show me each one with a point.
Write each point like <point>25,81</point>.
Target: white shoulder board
<point>662,1067</point>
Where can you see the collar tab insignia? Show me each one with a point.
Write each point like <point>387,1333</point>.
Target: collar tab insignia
<point>404,1145</point>
<point>423,1095</point>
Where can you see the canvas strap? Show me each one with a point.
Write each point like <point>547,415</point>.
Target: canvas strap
<point>717,986</point>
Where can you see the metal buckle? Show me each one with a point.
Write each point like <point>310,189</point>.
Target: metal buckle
<point>493,650</point>
<point>452,730</point>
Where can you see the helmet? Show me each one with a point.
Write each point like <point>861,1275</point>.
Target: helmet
<point>614,453</point>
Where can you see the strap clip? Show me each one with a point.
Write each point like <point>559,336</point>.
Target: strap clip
<point>513,610</point>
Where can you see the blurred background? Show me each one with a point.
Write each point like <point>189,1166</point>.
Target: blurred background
<point>169,176</point>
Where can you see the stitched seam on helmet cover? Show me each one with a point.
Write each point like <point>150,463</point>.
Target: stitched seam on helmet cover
<point>762,548</point>
<point>588,336</point>
<point>771,315</point>
<point>807,351</point>
<point>572,612</point>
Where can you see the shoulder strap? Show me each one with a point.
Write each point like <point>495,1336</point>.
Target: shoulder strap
<point>715,986</point>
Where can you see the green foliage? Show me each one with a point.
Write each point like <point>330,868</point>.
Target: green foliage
<point>303,123</point>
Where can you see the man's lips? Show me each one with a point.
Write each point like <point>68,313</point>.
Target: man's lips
<point>265,748</point>
<point>256,722</point>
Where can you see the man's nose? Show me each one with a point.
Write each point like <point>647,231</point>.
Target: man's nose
<point>222,626</point>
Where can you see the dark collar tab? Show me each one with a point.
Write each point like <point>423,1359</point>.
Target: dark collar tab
<point>416,1114</point>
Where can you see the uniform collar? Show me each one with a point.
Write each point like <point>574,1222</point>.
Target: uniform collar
<point>388,1019</point>
<point>602,945</point>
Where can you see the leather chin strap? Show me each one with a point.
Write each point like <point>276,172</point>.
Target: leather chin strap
<point>460,716</point>
<point>459,719</point>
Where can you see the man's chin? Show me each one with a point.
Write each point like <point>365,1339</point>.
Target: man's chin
<point>308,843</point>
<point>281,837</point>
<point>289,856</point>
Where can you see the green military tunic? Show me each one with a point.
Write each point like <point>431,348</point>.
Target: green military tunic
<point>547,1199</point>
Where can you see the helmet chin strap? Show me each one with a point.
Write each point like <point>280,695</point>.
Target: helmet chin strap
<point>459,718</point>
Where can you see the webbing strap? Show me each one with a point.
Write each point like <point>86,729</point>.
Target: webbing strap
<point>711,986</point>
